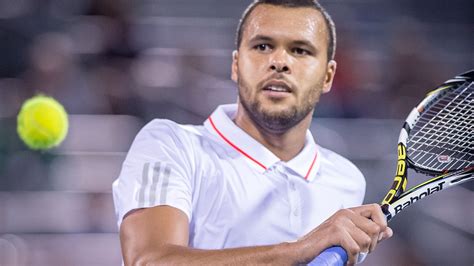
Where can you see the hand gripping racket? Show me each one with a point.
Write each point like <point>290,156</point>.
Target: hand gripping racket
<point>437,139</point>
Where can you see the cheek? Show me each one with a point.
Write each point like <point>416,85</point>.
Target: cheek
<point>311,95</point>
<point>313,84</point>
<point>251,65</point>
<point>314,69</point>
<point>313,74</point>
<point>250,72</point>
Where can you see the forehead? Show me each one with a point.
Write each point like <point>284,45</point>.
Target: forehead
<point>302,23</point>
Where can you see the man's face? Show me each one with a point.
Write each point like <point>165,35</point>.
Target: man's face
<point>281,66</point>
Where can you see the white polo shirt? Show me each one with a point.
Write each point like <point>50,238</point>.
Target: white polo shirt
<point>234,191</point>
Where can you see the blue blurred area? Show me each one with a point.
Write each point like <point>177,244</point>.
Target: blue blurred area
<point>117,64</point>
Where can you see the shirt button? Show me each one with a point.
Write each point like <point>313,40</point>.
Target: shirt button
<point>295,212</point>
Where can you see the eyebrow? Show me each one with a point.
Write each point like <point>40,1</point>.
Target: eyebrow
<point>304,43</point>
<point>260,37</point>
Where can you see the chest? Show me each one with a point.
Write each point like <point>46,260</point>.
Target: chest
<point>235,205</point>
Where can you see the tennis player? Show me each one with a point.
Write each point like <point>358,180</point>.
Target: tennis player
<point>250,186</point>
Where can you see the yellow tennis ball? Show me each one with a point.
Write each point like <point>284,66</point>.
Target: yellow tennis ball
<point>42,123</point>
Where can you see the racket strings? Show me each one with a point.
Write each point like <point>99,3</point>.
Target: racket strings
<point>442,138</point>
<point>454,117</point>
<point>450,127</point>
<point>453,135</point>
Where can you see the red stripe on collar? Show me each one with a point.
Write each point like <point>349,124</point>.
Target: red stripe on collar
<point>311,167</point>
<point>237,148</point>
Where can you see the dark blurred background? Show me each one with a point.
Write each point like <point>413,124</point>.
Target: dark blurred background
<point>116,64</point>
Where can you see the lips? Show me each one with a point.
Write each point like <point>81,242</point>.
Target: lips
<point>277,86</point>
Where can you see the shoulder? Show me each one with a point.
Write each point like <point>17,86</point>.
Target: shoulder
<point>165,139</point>
<point>159,128</point>
<point>168,133</point>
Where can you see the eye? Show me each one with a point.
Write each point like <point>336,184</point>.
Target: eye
<point>301,51</point>
<point>263,47</point>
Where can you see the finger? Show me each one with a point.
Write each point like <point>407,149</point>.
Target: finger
<point>349,236</point>
<point>373,212</point>
<point>387,233</point>
<point>350,245</point>
<point>363,243</point>
<point>370,229</point>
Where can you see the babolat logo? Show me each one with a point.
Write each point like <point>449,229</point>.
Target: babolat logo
<point>444,158</point>
<point>414,199</point>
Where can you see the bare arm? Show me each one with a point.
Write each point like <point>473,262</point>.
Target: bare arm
<point>159,235</point>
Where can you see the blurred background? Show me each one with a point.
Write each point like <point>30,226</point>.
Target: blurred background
<point>116,64</point>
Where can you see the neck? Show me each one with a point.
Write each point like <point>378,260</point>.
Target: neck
<point>285,145</point>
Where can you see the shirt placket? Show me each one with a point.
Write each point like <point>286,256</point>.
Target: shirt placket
<point>294,200</point>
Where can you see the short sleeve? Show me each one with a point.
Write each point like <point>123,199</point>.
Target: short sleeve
<point>156,171</point>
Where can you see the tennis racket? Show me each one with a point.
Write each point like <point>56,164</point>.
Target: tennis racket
<point>437,139</point>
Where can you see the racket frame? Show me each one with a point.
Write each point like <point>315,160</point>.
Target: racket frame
<point>425,189</point>
<point>397,198</point>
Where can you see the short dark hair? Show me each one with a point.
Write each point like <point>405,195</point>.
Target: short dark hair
<point>331,28</point>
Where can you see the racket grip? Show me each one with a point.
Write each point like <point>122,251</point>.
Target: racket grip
<point>333,256</point>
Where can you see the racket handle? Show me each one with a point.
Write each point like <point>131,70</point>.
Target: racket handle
<point>333,256</point>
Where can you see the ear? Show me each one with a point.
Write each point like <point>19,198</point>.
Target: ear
<point>331,71</point>
<point>235,66</point>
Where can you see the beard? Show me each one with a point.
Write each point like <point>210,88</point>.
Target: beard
<point>276,121</point>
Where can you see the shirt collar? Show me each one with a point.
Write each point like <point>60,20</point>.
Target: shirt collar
<point>221,124</point>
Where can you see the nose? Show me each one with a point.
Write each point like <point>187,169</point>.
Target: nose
<point>279,62</point>
<point>280,68</point>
